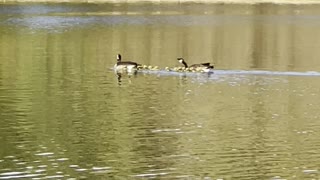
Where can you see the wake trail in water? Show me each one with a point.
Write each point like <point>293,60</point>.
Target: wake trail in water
<point>237,72</point>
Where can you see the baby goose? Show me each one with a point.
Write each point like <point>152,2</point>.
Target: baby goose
<point>202,67</point>
<point>128,66</point>
<point>155,68</point>
<point>177,69</point>
<point>144,66</point>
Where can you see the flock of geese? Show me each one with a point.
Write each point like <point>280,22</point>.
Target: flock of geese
<point>133,67</point>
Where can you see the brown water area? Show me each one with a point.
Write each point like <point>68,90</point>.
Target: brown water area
<point>65,114</point>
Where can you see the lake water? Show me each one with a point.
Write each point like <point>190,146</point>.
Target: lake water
<point>64,114</point>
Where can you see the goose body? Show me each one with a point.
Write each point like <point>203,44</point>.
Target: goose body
<point>202,67</point>
<point>125,66</point>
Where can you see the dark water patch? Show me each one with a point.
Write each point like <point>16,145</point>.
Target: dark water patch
<point>64,21</point>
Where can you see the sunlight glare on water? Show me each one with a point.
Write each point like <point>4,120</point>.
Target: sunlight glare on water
<point>65,114</point>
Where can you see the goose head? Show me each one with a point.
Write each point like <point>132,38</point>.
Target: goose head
<point>180,60</point>
<point>118,57</point>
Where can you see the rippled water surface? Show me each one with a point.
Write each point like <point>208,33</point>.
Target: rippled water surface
<point>64,114</point>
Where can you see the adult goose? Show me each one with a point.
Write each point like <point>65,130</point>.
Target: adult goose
<point>203,67</point>
<point>128,66</point>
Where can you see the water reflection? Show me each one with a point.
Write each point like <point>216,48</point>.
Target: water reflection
<point>262,36</point>
<point>64,113</point>
<point>125,74</point>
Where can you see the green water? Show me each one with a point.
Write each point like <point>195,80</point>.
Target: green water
<point>65,115</point>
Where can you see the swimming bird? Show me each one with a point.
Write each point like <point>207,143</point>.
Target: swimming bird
<point>202,67</point>
<point>127,66</point>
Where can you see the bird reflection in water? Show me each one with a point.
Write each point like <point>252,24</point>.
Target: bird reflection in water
<point>120,76</point>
